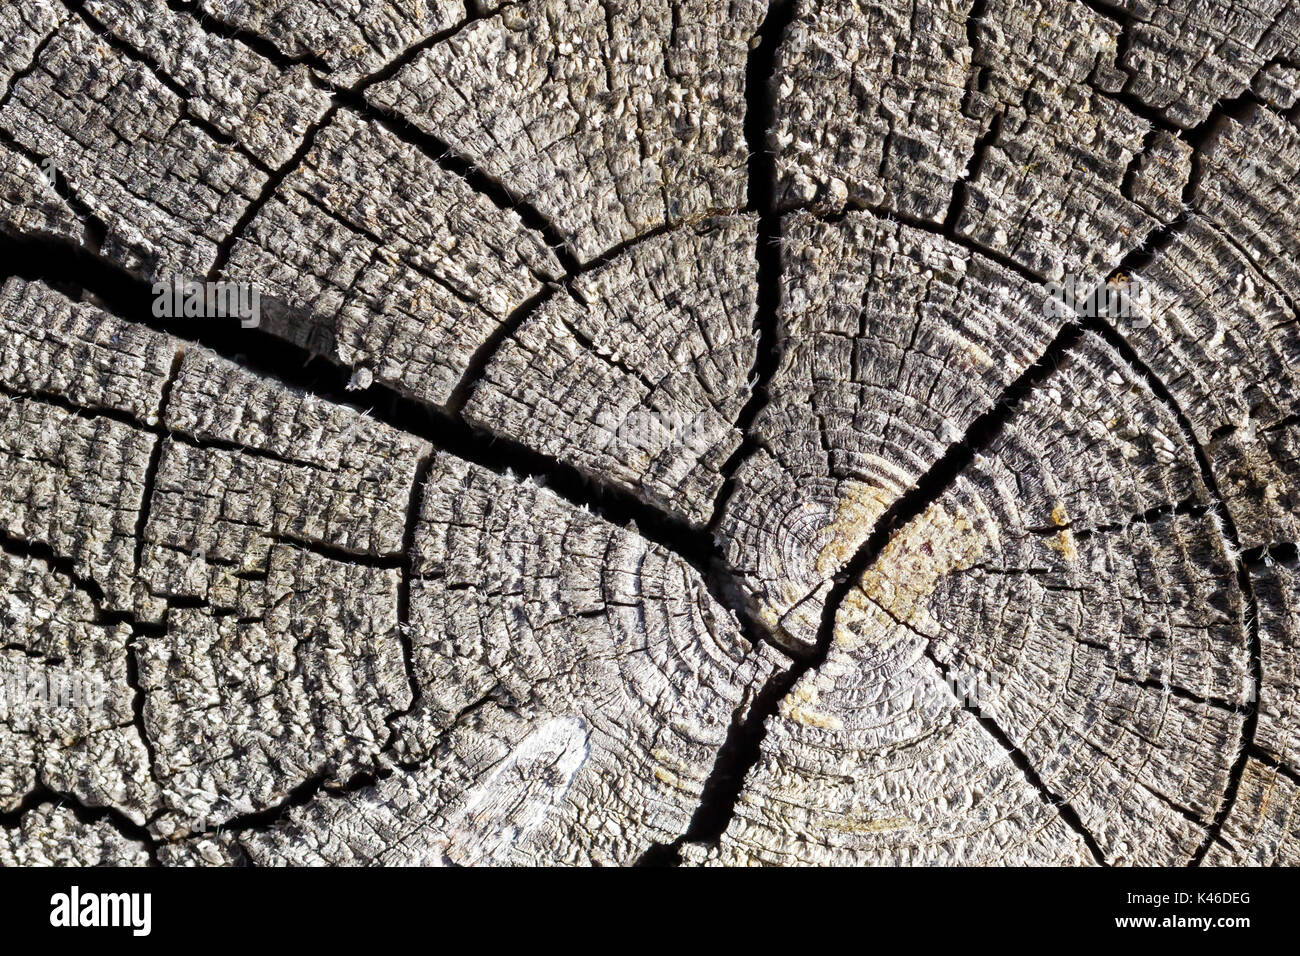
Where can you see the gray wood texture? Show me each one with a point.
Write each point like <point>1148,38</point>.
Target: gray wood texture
<point>657,443</point>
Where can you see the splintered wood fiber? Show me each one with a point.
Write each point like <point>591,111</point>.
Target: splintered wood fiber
<point>662,432</point>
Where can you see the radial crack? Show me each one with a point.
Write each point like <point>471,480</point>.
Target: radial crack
<point>760,118</point>
<point>1060,804</point>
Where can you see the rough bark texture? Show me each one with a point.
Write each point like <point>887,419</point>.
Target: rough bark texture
<point>659,442</point>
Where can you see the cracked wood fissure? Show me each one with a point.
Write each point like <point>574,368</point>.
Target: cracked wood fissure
<point>658,444</point>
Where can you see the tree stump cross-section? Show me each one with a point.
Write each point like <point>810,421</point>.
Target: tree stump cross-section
<point>699,433</point>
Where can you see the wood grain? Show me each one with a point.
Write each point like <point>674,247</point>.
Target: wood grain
<point>659,441</point>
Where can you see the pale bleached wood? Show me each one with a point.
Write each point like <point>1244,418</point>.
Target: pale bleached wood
<point>53,836</point>
<point>1185,58</point>
<point>241,709</point>
<point>167,190</point>
<point>638,373</point>
<point>65,702</point>
<point>29,204</point>
<point>1222,328</point>
<point>894,341</point>
<point>1001,122</point>
<point>347,41</point>
<point>1278,733</point>
<point>266,109</point>
<point>1263,828</point>
<point>609,119</point>
<point>1041,635</point>
<point>575,685</point>
<point>542,236</point>
<point>372,254</point>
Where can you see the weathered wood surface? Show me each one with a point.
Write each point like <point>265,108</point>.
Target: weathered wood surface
<point>658,443</point>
